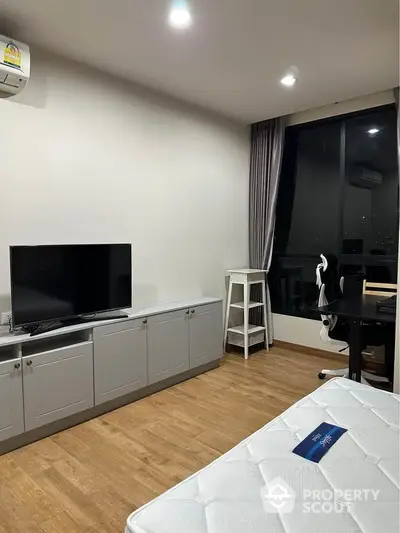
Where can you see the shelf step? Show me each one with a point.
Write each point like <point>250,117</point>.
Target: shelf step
<point>239,341</point>
<point>240,305</point>
<point>252,329</point>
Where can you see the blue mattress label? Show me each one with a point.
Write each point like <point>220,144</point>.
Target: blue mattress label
<point>319,442</point>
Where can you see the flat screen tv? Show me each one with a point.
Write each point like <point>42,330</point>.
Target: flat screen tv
<point>59,282</point>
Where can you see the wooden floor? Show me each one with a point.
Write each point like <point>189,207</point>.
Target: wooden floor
<point>91,477</point>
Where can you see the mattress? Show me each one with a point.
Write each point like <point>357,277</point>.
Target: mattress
<point>261,486</point>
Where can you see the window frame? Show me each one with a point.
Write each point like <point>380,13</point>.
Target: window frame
<point>364,260</point>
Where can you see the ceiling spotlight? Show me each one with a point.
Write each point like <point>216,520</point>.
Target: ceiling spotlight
<point>289,80</point>
<point>373,131</point>
<point>179,16</point>
<point>290,76</point>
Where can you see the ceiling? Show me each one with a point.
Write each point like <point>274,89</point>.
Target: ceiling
<point>233,56</point>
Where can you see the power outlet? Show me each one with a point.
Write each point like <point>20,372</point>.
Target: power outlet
<point>5,318</point>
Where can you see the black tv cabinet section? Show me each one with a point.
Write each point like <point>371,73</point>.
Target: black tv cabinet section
<point>40,329</point>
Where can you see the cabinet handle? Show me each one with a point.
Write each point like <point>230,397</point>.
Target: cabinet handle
<point>17,365</point>
<point>145,321</point>
<point>193,311</point>
<point>29,363</point>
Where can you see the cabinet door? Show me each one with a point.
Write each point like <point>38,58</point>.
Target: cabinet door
<point>57,383</point>
<point>168,345</point>
<point>11,404</point>
<point>120,359</point>
<point>205,326</point>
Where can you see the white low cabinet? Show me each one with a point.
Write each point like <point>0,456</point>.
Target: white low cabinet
<point>120,359</point>
<point>57,383</point>
<point>205,334</point>
<point>184,340</point>
<point>11,402</point>
<point>168,345</point>
<point>58,374</point>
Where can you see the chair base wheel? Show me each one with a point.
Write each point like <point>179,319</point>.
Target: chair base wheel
<point>321,375</point>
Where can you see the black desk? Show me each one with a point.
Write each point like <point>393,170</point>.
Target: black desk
<point>355,310</point>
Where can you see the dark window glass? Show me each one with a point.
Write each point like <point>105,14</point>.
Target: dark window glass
<point>314,191</point>
<point>370,202</point>
<point>338,194</point>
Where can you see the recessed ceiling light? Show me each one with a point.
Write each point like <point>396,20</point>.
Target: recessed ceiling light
<point>179,16</point>
<point>289,80</point>
<point>290,77</point>
<point>373,131</point>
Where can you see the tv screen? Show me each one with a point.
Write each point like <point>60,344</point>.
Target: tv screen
<point>64,281</point>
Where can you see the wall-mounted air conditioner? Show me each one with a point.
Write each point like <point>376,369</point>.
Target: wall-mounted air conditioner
<point>15,63</point>
<point>365,177</point>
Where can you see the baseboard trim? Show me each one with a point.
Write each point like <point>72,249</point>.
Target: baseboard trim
<point>369,364</point>
<point>307,350</point>
<point>60,425</point>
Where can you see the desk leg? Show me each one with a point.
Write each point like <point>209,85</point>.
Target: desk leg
<point>389,351</point>
<point>355,343</point>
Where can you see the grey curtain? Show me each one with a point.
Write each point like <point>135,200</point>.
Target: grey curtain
<point>267,140</point>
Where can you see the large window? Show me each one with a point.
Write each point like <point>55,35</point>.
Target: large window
<point>338,194</point>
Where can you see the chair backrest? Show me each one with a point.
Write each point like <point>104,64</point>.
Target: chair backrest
<point>379,289</point>
<point>330,278</point>
<point>330,289</point>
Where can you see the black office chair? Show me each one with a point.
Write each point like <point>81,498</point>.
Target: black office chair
<point>334,330</point>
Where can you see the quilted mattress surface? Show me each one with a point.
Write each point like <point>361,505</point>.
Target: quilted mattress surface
<point>262,486</point>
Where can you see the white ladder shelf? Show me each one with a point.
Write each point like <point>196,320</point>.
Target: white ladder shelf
<point>246,278</point>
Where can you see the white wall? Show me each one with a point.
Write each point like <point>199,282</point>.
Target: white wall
<point>396,380</point>
<point>302,331</point>
<point>89,158</point>
<point>341,108</point>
